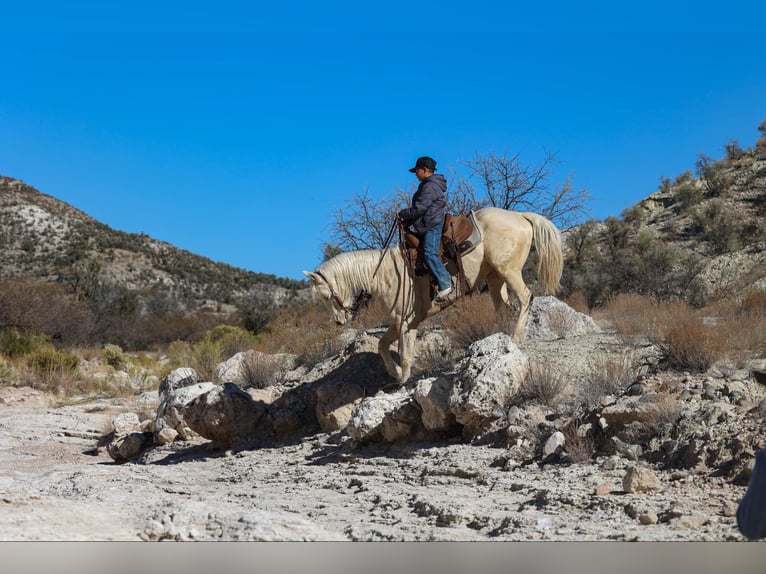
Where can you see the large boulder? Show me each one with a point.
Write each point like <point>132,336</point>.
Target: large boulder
<point>335,403</point>
<point>433,397</point>
<point>388,418</point>
<point>170,413</point>
<point>550,318</point>
<point>177,379</point>
<point>488,377</point>
<point>228,416</point>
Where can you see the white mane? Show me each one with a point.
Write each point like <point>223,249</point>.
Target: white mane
<point>352,271</point>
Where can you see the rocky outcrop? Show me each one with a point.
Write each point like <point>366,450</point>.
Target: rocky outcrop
<point>228,416</point>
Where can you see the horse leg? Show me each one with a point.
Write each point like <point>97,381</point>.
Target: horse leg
<point>498,284</point>
<point>516,282</point>
<point>498,293</point>
<point>408,347</point>
<point>384,350</point>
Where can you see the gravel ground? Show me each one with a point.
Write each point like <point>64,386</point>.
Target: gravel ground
<point>55,484</point>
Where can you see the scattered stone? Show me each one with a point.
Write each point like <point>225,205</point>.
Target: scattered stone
<point>648,518</point>
<point>554,444</point>
<point>603,489</point>
<point>640,479</point>
<point>178,378</point>
<point>126,423</point>
<point>129,447</point>
<point>388,418</point>
<point>629,451</point>
<point>433,397</point>
<point>611,463</point>
<point>729,508</point>
<point>166,436</point>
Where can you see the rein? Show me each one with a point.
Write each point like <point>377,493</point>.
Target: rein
<point>362,299</point>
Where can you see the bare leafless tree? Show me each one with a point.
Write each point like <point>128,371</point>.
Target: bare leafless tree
<point>363,222</point>
<point>509,184</point>
<point>501,181</point>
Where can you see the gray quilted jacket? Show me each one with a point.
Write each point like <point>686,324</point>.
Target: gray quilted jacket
<point>429,205</point>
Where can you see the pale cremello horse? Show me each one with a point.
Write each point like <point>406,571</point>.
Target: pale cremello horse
<point>498,260</point>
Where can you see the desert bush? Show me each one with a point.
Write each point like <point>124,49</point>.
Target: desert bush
<point>434,359</point>
<point>260,371</point>
<point>659,414</point>
<point>306,330</point>
<point>15,343</point>
<point>633,316</point>
<point>231,339</point>
<point>578,301</point>
<point>692,345</point>
<point>8,376</point>
<point>51,369</point>
<point>719,226</point>
<point>543,384</point>
<point>205,356</point>
<point>608,374</point>
<point>734,151</point>
<point>374,315</point>
<point>578,443</point>
<point>713,174</point>
<point>114,356</point>
<point>741,325</point>
<point>688,194</point>
<point>473,319</point>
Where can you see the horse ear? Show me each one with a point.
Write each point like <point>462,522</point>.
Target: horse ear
<point>312,276</point>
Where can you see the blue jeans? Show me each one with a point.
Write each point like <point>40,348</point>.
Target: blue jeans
<point>431,240</point>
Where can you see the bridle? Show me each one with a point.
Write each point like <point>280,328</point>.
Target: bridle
<point>362,299</point>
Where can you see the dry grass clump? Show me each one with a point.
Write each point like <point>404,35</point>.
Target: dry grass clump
<point>306,330</point>
<point>260,371</point>
<point>692,345</point>
<point>608,374</point>
<point>8,376</point>
<point>473,319</point>
<point>434,359</point>
<point>543,384</point>
<point>578,301</point>
<point>578,443</point>
<point>742,325</point>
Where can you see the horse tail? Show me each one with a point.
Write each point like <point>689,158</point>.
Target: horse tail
<point>550,260</point>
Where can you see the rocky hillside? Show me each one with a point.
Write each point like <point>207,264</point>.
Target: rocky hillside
<point>43,238</point>
<point>701,239</point>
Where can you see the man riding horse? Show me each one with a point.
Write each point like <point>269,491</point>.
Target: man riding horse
<point>426,218</point>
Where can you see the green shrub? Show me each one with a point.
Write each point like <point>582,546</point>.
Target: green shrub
<point>205,357</point>
<point>51,367</point>
<point>14,343</point>
<point>231,339</point>
<point>114,356</point>
<point>719,226</point>
<point>8,376</point>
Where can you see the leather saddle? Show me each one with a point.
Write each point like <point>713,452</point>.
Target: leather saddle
<point>460,235</point>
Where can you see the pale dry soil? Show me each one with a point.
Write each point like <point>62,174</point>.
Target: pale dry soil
<point>56,485</point>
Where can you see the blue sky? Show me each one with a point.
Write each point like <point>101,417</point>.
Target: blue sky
<point>219,126</point>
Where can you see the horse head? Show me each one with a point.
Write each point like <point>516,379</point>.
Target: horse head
<point>343,313</point>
